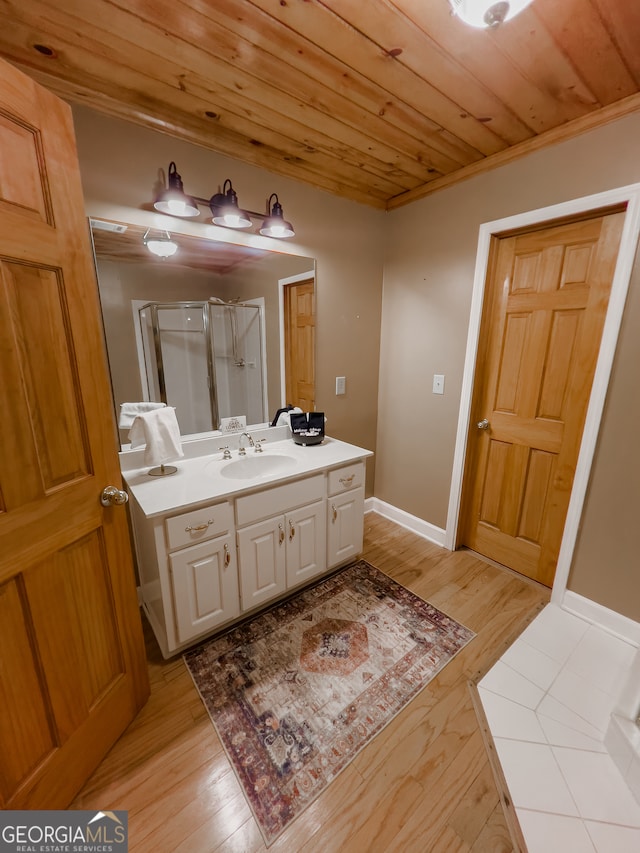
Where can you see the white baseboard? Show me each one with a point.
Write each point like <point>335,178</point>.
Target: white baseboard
<point>616,624</point>
<point>405,519</point>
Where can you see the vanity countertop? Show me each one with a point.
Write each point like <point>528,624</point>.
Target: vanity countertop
<point>200,479</point>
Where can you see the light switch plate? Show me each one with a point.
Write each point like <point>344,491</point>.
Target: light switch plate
<point>341,385</point>
<point>438,383</point>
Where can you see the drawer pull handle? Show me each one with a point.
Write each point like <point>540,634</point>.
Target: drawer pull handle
<point>292,531</point>
<point>334,512</point>
<point>227,555</point>
<point>198,527</point>
<point>281,535</point>
<point>346,481</point>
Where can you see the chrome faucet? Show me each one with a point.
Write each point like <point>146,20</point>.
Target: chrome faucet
<point>242,451</point>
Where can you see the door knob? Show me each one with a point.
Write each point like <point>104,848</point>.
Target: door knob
<point>483,424</point>
<point>111,496</point>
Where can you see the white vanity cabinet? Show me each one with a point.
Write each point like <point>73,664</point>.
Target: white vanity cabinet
<point>212,548</point>
<point>188,572</point>
<point>277,552</point>
<point>204,577</point>
<point>345,513</point>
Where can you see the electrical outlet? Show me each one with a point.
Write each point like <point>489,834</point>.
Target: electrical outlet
<point>341,385</point>
<point>438,383</point>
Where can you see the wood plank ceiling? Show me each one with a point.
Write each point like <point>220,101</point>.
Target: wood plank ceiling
<point>377,101</point>
<point>197,253</point>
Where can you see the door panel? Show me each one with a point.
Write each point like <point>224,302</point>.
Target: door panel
<point>73,671</point>
<point>545,308</point>
<point>51,457</point>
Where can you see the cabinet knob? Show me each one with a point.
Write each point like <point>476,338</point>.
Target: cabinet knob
<point>292,531</point>
<point>281,534</point>
<point>227,555</point>
<point>334,512</point>
<point>346,481</point>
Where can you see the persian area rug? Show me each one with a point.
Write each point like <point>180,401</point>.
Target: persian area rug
<point>296,692</point>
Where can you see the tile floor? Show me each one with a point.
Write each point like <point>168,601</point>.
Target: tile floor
<point>548,702</point>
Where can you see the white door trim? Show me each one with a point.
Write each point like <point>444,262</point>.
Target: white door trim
<point>620,285</point>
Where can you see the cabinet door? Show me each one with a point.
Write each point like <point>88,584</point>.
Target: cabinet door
<point>306,543</point>
<point>261,551</point>
<point>346,526</point>
<point>205,587</point>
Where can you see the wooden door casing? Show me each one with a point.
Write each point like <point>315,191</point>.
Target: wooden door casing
<point>299,348</point>
<point>73,670</point>
<point>545,307</point>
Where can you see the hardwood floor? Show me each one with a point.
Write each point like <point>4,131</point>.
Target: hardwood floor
<point>424,784</point>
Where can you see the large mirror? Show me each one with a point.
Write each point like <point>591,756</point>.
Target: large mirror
<point>205,329</point>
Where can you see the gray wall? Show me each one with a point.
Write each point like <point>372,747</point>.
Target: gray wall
<point>428,279</point>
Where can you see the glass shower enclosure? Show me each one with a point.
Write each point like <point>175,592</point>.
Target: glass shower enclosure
<point>205,358</point>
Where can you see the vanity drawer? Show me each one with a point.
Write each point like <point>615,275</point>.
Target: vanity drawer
<point>198,525</point>
<point>349,477</point>
<point>270,502</point>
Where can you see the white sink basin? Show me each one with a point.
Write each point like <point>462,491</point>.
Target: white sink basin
<point>257,466</point>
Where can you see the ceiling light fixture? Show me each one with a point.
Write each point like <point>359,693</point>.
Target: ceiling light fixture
<point>224,207</point>
<point>162,246</point>
<point>487,13</point>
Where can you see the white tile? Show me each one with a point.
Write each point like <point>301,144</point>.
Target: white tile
<point>555,632</point>
<point>504,681</point>
<point>629,697</point>
<point>583,698</point>
<point>632,778</point>
<point>508,719</point>
<point>602,659</point>
<point>618,746</point>
<point>597,787</point>
<point>534,778</point>
<point>532,664</point>
<point>551,833</point>
<point>613,839</point>
<point>554,710</point>
<point>558,734</point>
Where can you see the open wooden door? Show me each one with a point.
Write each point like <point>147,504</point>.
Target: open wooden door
<point>545,307</point>
<point>300,344</point>
<point>72,666</point>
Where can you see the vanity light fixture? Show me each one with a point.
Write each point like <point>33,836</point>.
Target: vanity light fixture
<point>487,13</point>
<point>224,207</point>
<point>162,245</point>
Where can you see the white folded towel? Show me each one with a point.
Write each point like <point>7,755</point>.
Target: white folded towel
<point>159,431</point>
<point>129,411</point>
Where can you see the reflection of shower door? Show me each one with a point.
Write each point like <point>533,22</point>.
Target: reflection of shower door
<point>206,359</point>
<point>177,361</point>
<point>236,333</point>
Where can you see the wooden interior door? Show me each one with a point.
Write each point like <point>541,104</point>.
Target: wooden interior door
<point>545,305</point>
<point>73,671</point>
<point>300,344</point>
